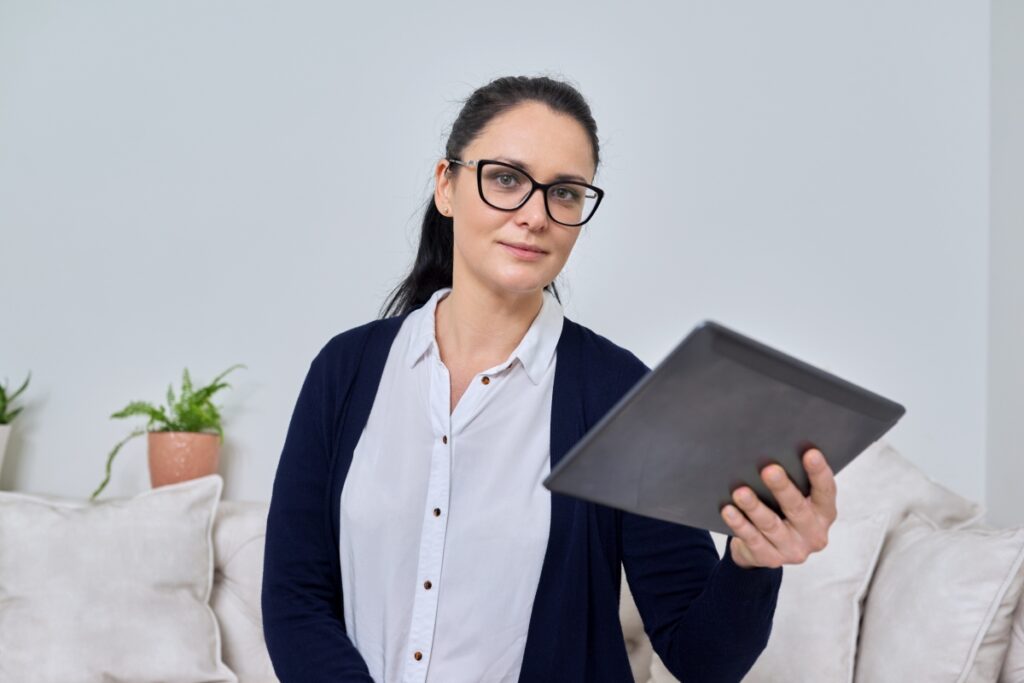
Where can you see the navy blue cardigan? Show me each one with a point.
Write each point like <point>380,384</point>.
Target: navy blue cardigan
<point>708,619</point>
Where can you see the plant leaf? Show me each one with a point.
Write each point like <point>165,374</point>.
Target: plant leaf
<point>110,460</point>
<point>20,389</point>
<point>218,377</point>
<point>156,415</point>
<point>134,408</point>
<point>6,400</point>
<point>186,384</point>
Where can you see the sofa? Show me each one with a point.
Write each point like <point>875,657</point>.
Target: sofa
<point>914,586</point>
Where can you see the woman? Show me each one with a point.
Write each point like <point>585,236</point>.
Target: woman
<point>409,536</point>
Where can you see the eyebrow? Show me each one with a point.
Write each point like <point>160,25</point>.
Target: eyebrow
<point>526,167</point>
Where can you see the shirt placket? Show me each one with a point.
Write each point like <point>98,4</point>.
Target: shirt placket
<point>434,528</point>
<point>444,424</point>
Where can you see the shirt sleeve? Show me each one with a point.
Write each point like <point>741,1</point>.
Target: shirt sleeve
<point>708,618</point>
<point>303,616</point>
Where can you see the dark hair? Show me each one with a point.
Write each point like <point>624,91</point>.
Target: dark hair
<point>433,267</point>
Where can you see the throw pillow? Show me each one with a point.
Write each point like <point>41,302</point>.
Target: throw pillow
<point>940,604</point>
<point>111,591</point>
<point>1013,665</point>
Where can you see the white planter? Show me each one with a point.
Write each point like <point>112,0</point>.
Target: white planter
<point>5,431</point>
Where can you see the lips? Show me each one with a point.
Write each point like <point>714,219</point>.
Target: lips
<point>524,246</point>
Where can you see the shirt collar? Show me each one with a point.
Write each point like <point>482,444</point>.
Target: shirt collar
<point>534,352</point>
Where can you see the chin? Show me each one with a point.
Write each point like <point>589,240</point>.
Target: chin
<point>524,284</point>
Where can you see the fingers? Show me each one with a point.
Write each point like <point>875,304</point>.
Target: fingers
<point>823,483</point>
<point>775,531</point>
<point>765,553</point>
<point>795,505</point>
<point>772,540</point>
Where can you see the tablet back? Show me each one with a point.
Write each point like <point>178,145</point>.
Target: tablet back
<point>719,408</point>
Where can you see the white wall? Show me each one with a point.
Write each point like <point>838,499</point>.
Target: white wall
<point>187,183</point>
<point>1006,274</point>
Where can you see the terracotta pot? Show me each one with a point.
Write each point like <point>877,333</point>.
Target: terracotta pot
<point>179,456</point>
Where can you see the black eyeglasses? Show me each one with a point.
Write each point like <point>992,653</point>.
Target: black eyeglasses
<point>508,187</point>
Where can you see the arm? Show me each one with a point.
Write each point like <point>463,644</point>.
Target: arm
<point>707,618</point>
<point>303,617</point>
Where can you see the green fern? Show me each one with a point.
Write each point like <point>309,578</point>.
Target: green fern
<point>6,414</point>
<point>192,411</point>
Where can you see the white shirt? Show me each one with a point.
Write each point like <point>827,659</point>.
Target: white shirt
<point>444,519</point>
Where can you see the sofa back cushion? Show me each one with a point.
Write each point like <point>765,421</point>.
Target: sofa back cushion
<point>880,479</point>
<point>238,542</point>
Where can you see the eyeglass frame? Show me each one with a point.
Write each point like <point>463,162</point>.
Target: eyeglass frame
<point>479,163</point>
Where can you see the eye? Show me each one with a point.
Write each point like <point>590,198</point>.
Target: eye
<point>504,180</point>
<point>566,194</point>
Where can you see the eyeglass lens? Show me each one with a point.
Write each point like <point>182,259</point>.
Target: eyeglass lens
<point>505,187</point>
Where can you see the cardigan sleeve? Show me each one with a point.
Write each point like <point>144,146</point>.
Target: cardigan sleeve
<point>708,618</point>
<point>303,616</point>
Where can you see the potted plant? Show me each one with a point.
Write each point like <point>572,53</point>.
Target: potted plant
<point>183,440</point>
<point>7,415</point>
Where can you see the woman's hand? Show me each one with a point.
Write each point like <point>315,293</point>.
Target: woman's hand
<point>761,538</point>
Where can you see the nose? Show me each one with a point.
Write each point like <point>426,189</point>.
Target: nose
<point>532,212</point>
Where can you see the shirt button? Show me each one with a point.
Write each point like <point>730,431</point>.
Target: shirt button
<point>444,439</point>
<point>427,585</point>
<point>417,655</point>
<point>437,512</point>
<point>486,380</point>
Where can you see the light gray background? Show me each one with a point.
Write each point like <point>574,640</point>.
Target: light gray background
<point>1005,462</point>
<point>199,184</point>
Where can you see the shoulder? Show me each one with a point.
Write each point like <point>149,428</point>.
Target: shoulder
<point>343,352</point>
<point>604,350</point>
<point>603,358</point>
<point>354,337</point>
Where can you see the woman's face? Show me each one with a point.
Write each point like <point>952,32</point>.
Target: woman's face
<point>545,144</point>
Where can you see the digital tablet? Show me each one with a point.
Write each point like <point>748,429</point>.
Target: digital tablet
<point>707,419</point>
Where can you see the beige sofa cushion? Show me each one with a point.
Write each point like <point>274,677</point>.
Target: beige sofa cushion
<point>111,591</point>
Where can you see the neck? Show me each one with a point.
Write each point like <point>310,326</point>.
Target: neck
<point>478,325</point>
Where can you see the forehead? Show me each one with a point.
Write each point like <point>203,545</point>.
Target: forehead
<point>548,143</point>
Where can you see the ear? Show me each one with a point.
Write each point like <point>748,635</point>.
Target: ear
<point>442,187</point>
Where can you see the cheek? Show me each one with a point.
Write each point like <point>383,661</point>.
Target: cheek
<point>478,226</point>
<point>476,237</point>
<point>565,247</point>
